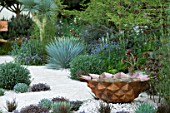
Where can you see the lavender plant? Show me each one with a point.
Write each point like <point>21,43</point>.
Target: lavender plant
<point>31,52</point>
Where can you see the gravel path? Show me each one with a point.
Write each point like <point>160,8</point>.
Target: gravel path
<point>60,83</point>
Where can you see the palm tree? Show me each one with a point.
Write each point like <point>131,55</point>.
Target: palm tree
<point>40,11</point>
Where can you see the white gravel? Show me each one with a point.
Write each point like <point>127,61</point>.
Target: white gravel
<point>91,105</point>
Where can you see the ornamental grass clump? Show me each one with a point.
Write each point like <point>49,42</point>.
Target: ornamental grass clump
<point>13,73</point>
<point>61,51</point>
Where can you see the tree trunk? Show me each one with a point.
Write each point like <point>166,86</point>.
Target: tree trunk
<point>40,25</point>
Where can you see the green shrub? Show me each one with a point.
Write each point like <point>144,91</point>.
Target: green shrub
<point>18,27</point>
<point>91,35</point>
<point>61,51</point>
<point>5,48</point>
<point>20,87</point>
<point>145,108</point>
<point>2,92</point>
<point>31,52</point>
<point>46,103</point>
<point>85,64</point>
<point>11,74</point>
<point>61,107</point>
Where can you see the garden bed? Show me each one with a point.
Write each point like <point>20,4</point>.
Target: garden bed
<point>61,85</point>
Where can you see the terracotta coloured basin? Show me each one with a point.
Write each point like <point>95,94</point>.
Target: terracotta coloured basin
<point>117,92</point>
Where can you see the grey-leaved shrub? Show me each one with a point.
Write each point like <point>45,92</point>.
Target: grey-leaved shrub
<point>13,73</point>
<point>85,64</point>
<point>61,51</point>
<point>20,87</point>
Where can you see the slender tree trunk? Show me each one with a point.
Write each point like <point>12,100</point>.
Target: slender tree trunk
<point>40,25</point>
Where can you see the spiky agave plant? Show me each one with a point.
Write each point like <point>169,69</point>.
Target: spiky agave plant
<point>61,51</point>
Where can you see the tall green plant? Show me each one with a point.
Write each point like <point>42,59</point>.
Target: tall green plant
<point>162,86</point>
<point>40,10</point>
<point>61,51</point>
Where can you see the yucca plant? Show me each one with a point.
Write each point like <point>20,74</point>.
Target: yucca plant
<point>61,51</point>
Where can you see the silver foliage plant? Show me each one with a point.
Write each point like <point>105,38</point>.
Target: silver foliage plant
<point>61,51</point>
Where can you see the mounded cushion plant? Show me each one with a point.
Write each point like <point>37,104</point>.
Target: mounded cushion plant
<point>46,103</point>
<point>85,64</point>
<point>21,87</point>
<point>61,51</point>
<point>13,73</point>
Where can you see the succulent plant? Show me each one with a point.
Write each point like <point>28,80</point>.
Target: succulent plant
<point>145,108</point>
<point>104,108</point>
<point>75,105</point>
<point>11,105</point>
<point>60,99</point>
<point>61,107</point>
<point>34,109</point>
<point>40,87</point>
<point>46,103</point>
<point>20,87</point>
